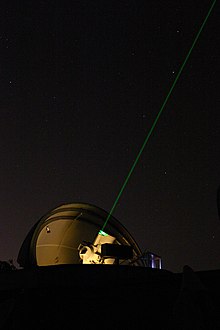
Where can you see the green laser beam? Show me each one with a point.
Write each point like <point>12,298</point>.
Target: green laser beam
<point>157,117</point>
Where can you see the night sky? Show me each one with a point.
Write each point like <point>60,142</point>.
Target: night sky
<point>81,84</point>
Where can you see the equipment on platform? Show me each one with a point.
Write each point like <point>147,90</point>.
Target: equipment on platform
<point>70,234</point>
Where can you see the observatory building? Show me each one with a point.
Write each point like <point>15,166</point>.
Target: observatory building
<point>71,234</point>
<point>81,268</point>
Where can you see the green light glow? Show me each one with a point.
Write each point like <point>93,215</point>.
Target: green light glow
<point>158,116</point>
<point>101,232</point>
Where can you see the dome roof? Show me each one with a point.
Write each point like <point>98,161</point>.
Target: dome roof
<point>55,239</point>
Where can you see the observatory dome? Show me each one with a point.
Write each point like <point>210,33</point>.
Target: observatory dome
<point>71,234</point>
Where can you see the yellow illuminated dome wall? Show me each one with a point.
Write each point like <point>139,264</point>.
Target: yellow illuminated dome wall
<point>70,234</point>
